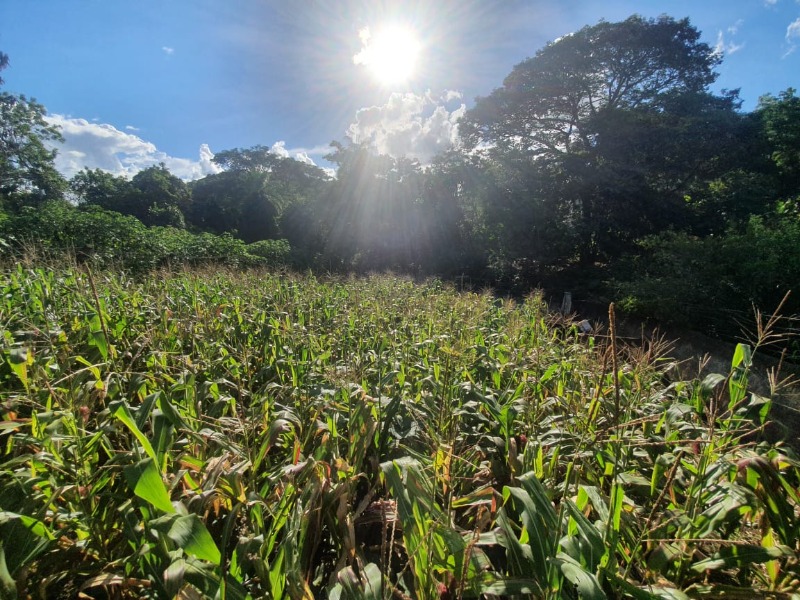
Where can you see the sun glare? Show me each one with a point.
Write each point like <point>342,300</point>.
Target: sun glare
<point>390,54</point>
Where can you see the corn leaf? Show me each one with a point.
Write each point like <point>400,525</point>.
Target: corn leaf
<point>145,480</point>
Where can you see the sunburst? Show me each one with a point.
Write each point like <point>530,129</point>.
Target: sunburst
<point>390,53</point>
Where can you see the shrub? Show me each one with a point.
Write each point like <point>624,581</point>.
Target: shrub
<point>276,253</point>
<point>694,281</point>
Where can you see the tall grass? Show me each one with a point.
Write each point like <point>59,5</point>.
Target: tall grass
<point>219,434</point>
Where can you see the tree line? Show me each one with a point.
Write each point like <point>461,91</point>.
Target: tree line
<point>604,163</point>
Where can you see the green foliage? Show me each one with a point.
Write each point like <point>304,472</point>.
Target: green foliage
<point>547,101</point>
<point>100,188</point>
<point>780,118</point>
<point>236,202</point>
<point>27,173</point>
<point>213,434</point>
<point>109,238</point>
<point>689,280</point>
<point>276,253</point>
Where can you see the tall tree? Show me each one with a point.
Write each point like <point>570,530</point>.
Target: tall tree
<point>780,120</point>
<point>3,64</point>
<point>101,188</point>
<point>600,115</point>
<point>253,192</point>
<point>158,197</point>
<point>27,170</point>
<point>235,202</point>
<point>546,101</point>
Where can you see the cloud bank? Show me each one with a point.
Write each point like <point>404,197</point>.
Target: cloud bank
<point>411,125</point>
<point>103,146</point>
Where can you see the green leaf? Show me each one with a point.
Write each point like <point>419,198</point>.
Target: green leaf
<point>122,411</point>
<point>587,546</point>
<point>35,526</point>
<point>18,360</point>
<point>8,588</point>
<point>742,360</point>
<point>739,556</point>
<point>189,533</point>
<point>31,538</point>
<point>145,480</point>
<point>97,336</point>
<point>585,583</point>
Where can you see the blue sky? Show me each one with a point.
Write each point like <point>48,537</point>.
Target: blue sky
<point>135,83</point>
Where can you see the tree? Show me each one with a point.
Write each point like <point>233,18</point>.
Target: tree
<point>101,188</point>
<point>27,171</point>
<point>252,194</point>
<point>3,64</point>
<point>155,197</point>
<point>546,101</point>
<point>257,159</point>
<point>614,119</point>
<point>780,120</point>
<point>377,214</point>
<point>234,201</point>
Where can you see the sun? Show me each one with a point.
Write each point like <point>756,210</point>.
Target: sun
<point>390,53</point>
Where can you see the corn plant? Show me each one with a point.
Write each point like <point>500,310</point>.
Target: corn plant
<point>214,433</point>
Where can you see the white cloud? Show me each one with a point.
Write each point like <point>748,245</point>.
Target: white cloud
<point>363,55</point>
<point>793,30</point>
<point>168,51</point>
<point>412,125</point>
<point>301,154</point>
<point>279,148</point>
<point>723,47</point>
<point>770,2</point>
<point>103,146</point>
<point>734,29</point>
<point>792,36</point>
<point>131,128</point>
<point>304,158</point>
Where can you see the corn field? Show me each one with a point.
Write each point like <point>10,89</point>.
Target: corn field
<point>218,434</point>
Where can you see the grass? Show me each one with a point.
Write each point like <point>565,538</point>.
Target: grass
<point>223,434</point>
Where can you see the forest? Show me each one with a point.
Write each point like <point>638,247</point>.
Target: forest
<point>273,382</point>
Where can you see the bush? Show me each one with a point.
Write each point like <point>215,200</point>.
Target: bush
<point>107,237</point>
<point>694,281</point>
<point>276,253</point>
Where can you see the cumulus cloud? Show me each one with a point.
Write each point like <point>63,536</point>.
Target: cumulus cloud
<point>301,154</point>
<point>103,146</point>
<point>412,125</point>
<point>279,148</point>
<point>131,128</point>
<point>304,158</point>
<point>168,51</point>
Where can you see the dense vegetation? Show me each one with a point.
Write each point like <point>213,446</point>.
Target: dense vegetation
<point>604,165</point>
<point>213,434</point>
<point>183,415</point>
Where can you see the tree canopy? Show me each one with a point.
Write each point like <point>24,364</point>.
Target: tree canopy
<point>27,171</point>
<point>546,102</point>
